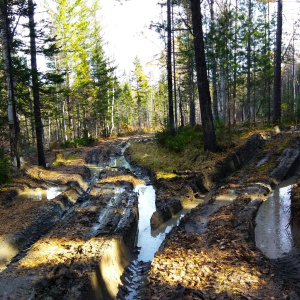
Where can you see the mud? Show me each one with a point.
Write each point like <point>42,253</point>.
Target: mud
<point>174,194</point>
<point>80,244</point>
<point>212,253</point>
<point>77,244</point>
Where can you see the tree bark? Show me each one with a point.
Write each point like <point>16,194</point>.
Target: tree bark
<point>214,63</point>
<point>234,93</point>
<point>210,142</point>
<point>35,88</point>
<point>249,63</point>
<point>180,108</point>
<point>169,70</point>
<point>174,70</point>
<point>191,78</point>
<point>277,75</point>
<point>13,120</point>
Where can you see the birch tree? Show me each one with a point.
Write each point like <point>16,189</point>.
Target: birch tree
<point>13,120</point>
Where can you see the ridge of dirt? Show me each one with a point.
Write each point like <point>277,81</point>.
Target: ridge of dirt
<point>59,248</point>
<point>212,253</point>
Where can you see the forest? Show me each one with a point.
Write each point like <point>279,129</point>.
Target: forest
<point>180,183</point>
<point>78,97</point>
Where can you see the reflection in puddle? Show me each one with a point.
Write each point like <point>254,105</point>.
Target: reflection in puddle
<point>119,162</point>
<point>41,194</point>
<point>149,245</point>
<point>54,192</point>
<point>273,231</point>
<point>149,240</point>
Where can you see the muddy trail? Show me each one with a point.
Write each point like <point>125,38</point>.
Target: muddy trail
<point>97,226</point>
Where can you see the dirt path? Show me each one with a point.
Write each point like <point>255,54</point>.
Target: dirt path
<point>212,253</point>
<point>77,245</point>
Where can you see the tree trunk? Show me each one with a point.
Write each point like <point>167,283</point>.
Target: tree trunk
<point>268,78</point>
<point>254,88</point>
<point>13,120</point>
<point>169,70</point>
<point>180,108</point>
<point>223,93</point>
<point>294,77</point>
<point>35,88</point>
<point>214,63</point>
<point>112,112</point>
<point>78,119</point>
<point>249,62</point>
<point>210,142</point>
<point>174,71</point>
<point>234,93</point>
<point>277,75</point>
<point>192,96</point>
<point>68,103</point>
<point>191,79</point>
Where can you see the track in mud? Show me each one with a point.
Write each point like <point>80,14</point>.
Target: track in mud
<point>273,233</point>
<point>90,238</point>
<point>115,210</point>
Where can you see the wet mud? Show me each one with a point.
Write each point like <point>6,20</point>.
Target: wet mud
<point>93,241</point>
<point>71,245</point>
<point>212,254</point>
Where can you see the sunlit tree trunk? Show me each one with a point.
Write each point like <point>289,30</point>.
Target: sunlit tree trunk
<point>277,75</point>
<point>269,78</point>
<point>78,119</point>
<point>13,121</point>
<point>169,69</point>
<point>234,93</point>
<point>210,142</point>
<point>35,88</point>
<point>192,115</point>
<point>249,62</point>
<point>214,63</point>
<point>174,70</point>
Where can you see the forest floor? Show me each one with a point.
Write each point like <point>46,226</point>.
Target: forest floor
<point>52,249</point>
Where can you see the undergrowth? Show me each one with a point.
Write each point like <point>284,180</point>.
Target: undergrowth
<point>61,160</point>
<point>78,142</point>
<point>4,167</point>
<point>183,151</point>
<point>185,136</point>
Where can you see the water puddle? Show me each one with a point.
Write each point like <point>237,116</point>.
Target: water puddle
<point>119,162</point>
<point>41,194</point>
<point>273,232</point>
<point>148,241</point>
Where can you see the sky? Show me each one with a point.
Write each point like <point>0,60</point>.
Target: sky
<point>126,31</point>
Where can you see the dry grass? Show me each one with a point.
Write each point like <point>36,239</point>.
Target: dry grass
<point>164,161</point>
